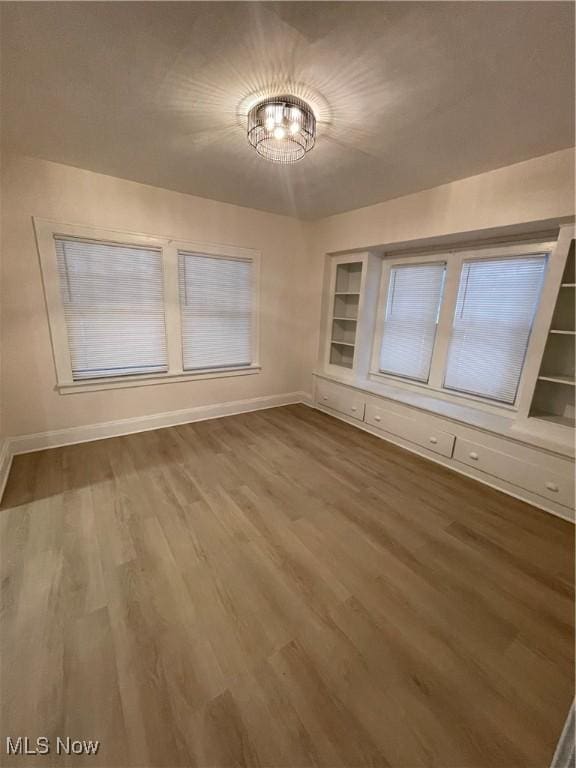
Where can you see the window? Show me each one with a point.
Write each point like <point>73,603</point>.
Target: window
<point>459,322</point>
<point>411,319</point>
<point>131,310</point>
<point>216,311</point>
<point>113,299</point>
<point>495,308</point>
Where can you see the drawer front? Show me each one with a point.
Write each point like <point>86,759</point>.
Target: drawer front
<point>342,400</point>
<point>327,395</point>
<point>410,429</point>
<point>352,405</point>
<point>550,485</point>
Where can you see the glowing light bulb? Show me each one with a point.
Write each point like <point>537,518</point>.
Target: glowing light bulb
<point>295,127</point>
<point>279,133</point>
<point>270,123</point>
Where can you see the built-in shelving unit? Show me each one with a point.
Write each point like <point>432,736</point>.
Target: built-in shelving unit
<point>558,380</point>
<point>344,318</point>
<point>555,390</point>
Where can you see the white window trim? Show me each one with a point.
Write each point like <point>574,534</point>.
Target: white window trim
<point>47,229</point>
<point>454,260</point>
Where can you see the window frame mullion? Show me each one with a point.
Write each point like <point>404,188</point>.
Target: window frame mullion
<point>445,320</point>
<point>172,309</point>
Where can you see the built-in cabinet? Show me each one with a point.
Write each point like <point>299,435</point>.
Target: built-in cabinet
<point>555,389</point>
<point>346,290</point>
<point>526,449</point>
<point>537,475</point>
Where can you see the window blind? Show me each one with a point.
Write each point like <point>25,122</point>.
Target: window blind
<point>216,311</point>
<point>411,319</point>
<point>113,297</point>
<point>496,304</point>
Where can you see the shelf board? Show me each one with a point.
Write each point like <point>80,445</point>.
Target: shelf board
<point>568,285</point>
<point>351,319</point>
<point>563,333</point>
<point>342,343</point>
<point>346,293</point>
<point>559,380</point>
<point>553,418</point>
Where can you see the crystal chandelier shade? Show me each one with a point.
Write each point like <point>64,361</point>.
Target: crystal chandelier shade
<point>282,129</point>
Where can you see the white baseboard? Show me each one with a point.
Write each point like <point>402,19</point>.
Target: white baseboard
<point>72,435</point>
<point>57,438</point>
<point>564,755</point>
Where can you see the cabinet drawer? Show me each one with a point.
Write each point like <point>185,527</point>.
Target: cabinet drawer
<point>351,404</point>
<point>327,395</point>
<point>534,478</point>
<point>342,400</point>
<point>410,429</point>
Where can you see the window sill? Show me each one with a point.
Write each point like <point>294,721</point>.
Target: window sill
<point>128,382</point>
<point>448,395</point>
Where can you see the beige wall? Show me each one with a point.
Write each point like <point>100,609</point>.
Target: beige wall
<point>535,190</point>
<point>520,196</point>
<point>293,253</point>
<point>38,188</point>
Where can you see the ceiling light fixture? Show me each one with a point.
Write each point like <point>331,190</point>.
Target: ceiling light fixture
<point>282,129</point>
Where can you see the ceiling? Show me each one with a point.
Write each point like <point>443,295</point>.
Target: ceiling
<point>409,95</point>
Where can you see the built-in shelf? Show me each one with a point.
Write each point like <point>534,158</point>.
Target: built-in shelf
<point>554,401</point>
<point>554,418</point>
<point>554,396</point>
<point>344,330</point>
<point>345,305</point>
<point>559,380</point>
<point>341,355</point>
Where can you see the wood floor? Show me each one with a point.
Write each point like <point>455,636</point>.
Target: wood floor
<point>279,589</point>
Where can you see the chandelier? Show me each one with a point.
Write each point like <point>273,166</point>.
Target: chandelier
<point>282,129</point>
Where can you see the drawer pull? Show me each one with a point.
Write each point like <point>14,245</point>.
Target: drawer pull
<point>552,487</point>
<point>434,440</point>
<point>325,397</point>
<point>354,408</point>
<point>377,418</point>
<point>473,455</point>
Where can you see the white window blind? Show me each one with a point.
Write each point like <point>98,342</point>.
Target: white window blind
<point>216,311</point>
<point>496,304</point>
<point>113,297</point>
<point>411,319</point>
